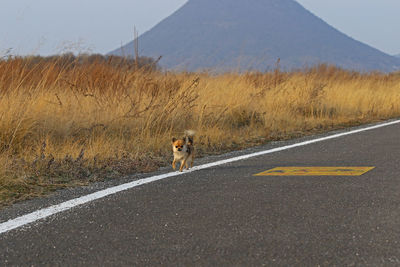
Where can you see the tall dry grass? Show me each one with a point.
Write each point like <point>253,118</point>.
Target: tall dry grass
<point>66,123</point>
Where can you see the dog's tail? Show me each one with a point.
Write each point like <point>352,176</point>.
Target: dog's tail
<point>189,134</point>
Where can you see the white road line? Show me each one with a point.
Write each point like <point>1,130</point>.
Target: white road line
<point>46,212</point>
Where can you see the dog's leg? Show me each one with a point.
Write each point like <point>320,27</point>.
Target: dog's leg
<point>173,164</point>
<point>187,165</point>
<point>189,160</point>
<point>182,164</point>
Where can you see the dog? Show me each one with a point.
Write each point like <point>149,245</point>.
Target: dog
<point>183,150</point>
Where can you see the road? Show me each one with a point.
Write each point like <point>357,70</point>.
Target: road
<point>226,216</point>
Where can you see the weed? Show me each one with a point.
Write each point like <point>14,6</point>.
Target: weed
<point>67,121</point>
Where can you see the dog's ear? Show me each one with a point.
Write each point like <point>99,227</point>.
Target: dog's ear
<point>173,139</point>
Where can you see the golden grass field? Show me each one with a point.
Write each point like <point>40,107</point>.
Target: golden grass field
<point>65,124</point>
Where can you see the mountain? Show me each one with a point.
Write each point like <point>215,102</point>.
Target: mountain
<point>253,34</point>
<point>398,55</point>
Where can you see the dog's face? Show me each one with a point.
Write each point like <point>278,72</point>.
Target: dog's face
<point>177,144</point>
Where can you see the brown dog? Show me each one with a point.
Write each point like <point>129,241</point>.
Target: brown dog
<point>183,150</point>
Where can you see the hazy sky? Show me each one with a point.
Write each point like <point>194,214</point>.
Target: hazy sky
<point>99,26</point>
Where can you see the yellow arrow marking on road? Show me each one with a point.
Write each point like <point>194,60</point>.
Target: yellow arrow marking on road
<point>315,171</point>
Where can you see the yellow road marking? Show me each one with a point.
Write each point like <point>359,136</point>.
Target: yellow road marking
<point>315,171</point>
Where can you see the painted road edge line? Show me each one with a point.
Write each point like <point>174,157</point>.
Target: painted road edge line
<point>64,206</point>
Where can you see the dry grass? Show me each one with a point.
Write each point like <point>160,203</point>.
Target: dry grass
<point>65,124</point>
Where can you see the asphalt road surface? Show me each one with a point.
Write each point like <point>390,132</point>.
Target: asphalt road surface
<point>226,216</point>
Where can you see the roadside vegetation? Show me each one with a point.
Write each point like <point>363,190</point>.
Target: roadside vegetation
<point>68,121</point>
